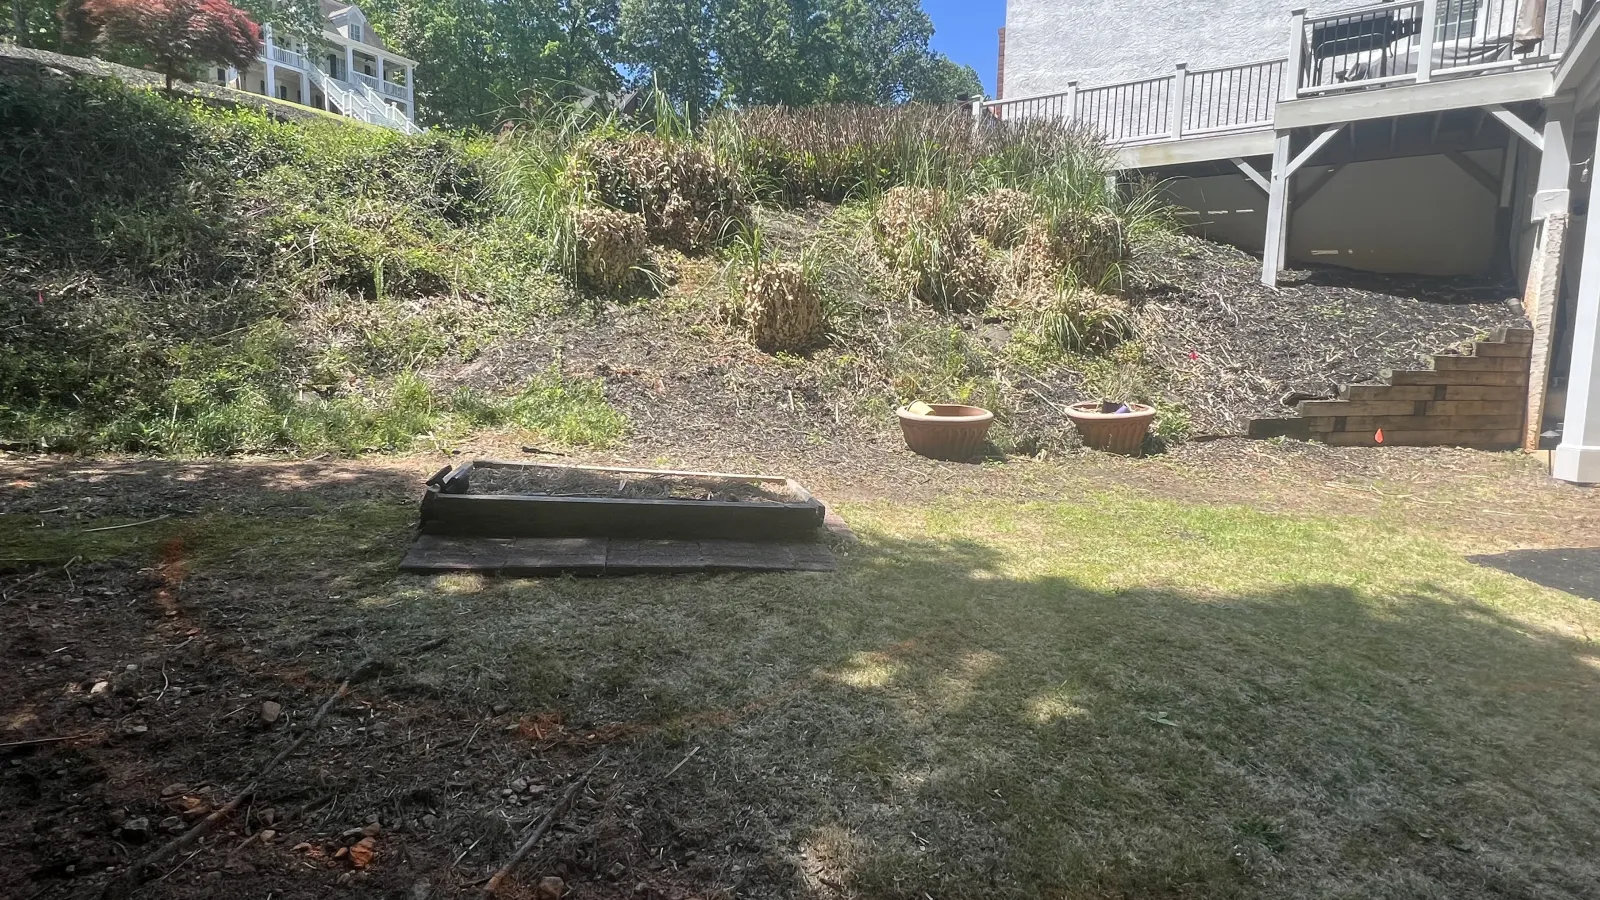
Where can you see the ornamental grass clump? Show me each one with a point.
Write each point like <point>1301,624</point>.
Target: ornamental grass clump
<point>921,237</point>
<point>688,201</point>
<point>611,246</point>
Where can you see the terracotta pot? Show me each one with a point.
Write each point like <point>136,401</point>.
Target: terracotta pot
<point>951,431</point>
<point>1113,432</point>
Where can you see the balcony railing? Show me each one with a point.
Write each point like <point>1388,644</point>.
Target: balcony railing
<point>1168,107</point>
<point>287,57</point>
<point>1418,40</point>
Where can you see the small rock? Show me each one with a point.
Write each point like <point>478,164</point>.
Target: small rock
<point>173,790</point>
<point>136,730</point>
<point>421,890</point>
<point>270,710</point>
<point>550,888</point>
<point>430,820</point>
<point>505,792</point>
<point>66,659</point>
<point>520,785</point>
<point>269,815</point>
<point>267,834</point>
<point>371,829</point>
<point>501,709</point>
<point>616,871</point>
<point>100,687</point>
<point>116,817</point>
<point>171,824</point>
<point>136,830</point>
<point>131,667</point>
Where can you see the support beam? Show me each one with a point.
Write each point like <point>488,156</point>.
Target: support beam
<point>1255,177</point>
<point>1508,173</point>
<point>1478,173</point>
<point>1180,90</point>
<point>1517,126</point>
<point>1275,247</point>
<point>1553,196</point>
<point>1578,456</point>
<point>1311,149</point>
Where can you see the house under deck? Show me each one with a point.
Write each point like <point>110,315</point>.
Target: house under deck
<point>1373,147</point>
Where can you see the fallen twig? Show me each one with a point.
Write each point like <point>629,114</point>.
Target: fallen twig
<point>132,877</point>
<point>127,524</point>
<point>550,818</point>
<point>46,740</point>
<point>674,770</point>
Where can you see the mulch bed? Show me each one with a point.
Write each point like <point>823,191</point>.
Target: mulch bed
<point>557,481</point>
<point>1237,347</point>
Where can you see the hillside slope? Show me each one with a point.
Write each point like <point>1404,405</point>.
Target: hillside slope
<point>179,278</point>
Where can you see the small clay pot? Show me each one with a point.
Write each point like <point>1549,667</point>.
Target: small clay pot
<point>1113,432</point>
<point>951,431</point>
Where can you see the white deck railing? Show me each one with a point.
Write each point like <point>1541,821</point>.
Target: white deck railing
<point>1417,40</point>
<point>1167,107</point>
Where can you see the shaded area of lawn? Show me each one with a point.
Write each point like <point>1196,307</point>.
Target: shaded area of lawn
<point>1105,698</point>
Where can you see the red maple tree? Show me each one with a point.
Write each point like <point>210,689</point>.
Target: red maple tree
<point>174,34</point>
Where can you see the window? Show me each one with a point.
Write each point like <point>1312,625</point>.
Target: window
<point>263,86</point>
<point>222,76</point>
<point>368,69</point>
<point>1458,19</point>
<point>355,31</point>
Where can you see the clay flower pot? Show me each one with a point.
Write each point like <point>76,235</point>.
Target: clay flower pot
<point>951,431</point>
<point>1113,432</point>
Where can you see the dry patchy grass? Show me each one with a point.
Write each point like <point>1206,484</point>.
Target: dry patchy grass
<point>1113,697</point>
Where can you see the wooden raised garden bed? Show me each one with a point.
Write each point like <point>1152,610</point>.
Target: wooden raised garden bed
<point>490,498</point>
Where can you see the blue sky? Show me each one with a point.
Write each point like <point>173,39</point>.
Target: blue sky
<point>968,31</point>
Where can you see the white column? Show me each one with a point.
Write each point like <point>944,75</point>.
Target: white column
<point>1180,90</point>
<point>411,100</point>
<point>1555,161</point>
<point>1578,456</point>
<point>1430,27</point>
<point>349,64</point>
<point>266,56</point>
<point>1275,247</point>
<point>380,73</point>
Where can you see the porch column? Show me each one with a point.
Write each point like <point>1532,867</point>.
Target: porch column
<point>1578,456</point>
<point>1276,244</point>
<point>411,100</point>
<point>349,64</point>
<point>266,56</point>
<point>1542,294</point>
<point>380,72</point>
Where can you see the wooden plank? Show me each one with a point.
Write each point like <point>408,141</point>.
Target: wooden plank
<point>1475,408</point>
<point>432,554</point>
<point>1454,392</point>
<point>544,556</point>
<point>1389,392</point>
<point>1512,335</point>
<point>1497,349</point>
<point>1492,379</point>
<point>1479,364</point>
<point>491,515</point>
<point>651,556</point>
<point>1312,408</point>
<point>1432,423</point>
<point>1284,427</point>
<point>1487,439</point>
<point>517,464</point>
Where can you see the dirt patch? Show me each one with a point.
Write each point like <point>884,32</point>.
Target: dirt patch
<point>1236,347</point>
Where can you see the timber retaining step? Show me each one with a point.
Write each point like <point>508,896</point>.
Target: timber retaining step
<point>1473,400</point>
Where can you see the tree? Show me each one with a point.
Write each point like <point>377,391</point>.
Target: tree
<point>174,35</point>
<point>671,42</point>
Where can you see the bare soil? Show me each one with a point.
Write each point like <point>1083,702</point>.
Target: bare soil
<point>559,481</point>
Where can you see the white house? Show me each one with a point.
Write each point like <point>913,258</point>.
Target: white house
<point>1425,136</point>
<point>345,69</point>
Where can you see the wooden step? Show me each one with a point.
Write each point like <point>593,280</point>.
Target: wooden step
<point>1485,440</point>
<point>1512,335</point>
<point>1415,423</point>
<point>1497,349</point>
<point>1390,392</point>
<point>1480,364</point>
<point>1456,377</point>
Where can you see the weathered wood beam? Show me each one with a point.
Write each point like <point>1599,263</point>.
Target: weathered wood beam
<point>1478,173</point>
<point>1517,125</point>
<point>1255,177</point>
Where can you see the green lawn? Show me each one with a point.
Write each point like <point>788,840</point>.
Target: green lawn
<point>1111,697</point>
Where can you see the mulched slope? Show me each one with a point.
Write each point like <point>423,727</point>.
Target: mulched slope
<point>1237,347</point>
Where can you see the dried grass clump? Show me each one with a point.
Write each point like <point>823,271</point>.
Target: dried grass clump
<point>611,245</point>
<point>687,199</point>
<point>930,249</point>
<point>779,308</point>
<point>1093,244</point>
<point>1086,321</point>
<point>1001,216</point>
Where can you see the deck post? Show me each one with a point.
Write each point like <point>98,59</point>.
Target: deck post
<point>1072,101</point>
<point>1294,68</point>
<point>1555,162</point>
<point>1578,456</point>
<point>1541,295</point>
<point>1180,88</point>
<point>266,54</point>
<point>1275,247</point>
<point>1430,28</point>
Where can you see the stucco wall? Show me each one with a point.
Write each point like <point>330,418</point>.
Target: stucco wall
<point>1419,215</point>
<point>1093,42</point>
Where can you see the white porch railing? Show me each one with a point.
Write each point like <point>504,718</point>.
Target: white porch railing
<point>1168,107</point>
<point>286,56</point>
<point>1417,40</point>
